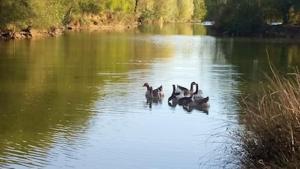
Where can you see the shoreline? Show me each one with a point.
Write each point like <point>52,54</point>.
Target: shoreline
<point>270,31</point>
<point>275,31</point>
<point>28,34</point>
<point>104,22</point>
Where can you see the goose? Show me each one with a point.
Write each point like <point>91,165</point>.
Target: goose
<point>153,94</point>
<point>175,95</point>
<point>185,100</point>
<point>186,91</point>
<point>180,101</point>
<point>197,94</point>
<point>198,99</point>
<point>158,92</point>
<point>201,105</point>
<point>149,90</point>
<point>178,98</point>
<point>172,100</point>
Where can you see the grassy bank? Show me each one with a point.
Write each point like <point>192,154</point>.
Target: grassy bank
<point>271,137</point>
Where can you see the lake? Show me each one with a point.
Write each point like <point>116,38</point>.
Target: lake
<point>77,101</point>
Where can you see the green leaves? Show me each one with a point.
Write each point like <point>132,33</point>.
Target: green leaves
<point>89,7</point>
<point>14,12</point>
<point>48,13</point>
<point>200,10</point>
<point>248,17</point>
<point>239,17</point>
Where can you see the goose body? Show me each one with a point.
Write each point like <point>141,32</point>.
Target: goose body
<point>197,94</point>
<point>158,92</point>
<point>185,100</point>
<point>184,90</point>
<point>201,105</point>
<point>148,91</point>
<point>153,94</point>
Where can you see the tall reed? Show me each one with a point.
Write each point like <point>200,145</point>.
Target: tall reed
<point>271,134</point>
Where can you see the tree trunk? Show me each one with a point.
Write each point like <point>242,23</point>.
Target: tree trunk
<point>286,18</point>
<point>136,5</point>
<point>286,13</point>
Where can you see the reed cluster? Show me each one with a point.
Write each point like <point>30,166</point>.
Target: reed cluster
<point>270,137</point>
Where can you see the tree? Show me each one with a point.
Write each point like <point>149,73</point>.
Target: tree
<point>165,9</point>
<point>185,9</point>
<point>279,8</point>
<point>16,12</point>
<point>199,10</point>
<point>239,17</point>
<point>121,5</point>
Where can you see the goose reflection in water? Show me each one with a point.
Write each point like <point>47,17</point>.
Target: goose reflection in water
<point>151,101</point>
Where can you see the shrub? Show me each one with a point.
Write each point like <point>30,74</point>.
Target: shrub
<point>239,18</point>
<point>90,7</point>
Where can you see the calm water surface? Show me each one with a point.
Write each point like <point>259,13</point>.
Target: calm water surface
<point>77,101</point>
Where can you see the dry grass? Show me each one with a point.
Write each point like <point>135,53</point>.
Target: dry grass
<point>271,136</point>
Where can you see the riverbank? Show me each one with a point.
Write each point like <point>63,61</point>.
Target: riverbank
<point>271,137</point>
<point>95,23</point>
<point>105,22</point>
<point>268,31</point>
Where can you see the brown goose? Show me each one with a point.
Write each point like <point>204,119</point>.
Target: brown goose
<point>153,94</point>
<point>148,91</point>
<point>201,105</point>
<point>158,92</point>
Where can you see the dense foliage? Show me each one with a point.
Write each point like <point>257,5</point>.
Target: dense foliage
<point>239,17</point>
<point>47,13</point>
<point>231,16</point>
<point>250,16</point>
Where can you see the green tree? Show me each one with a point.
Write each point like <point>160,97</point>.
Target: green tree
<point>121,5</point>
<point>280,8</point>
<point>199,10</point>
<point>47,13</point>
<point>165,9</point>
<point>240,17</point>
<point>185,10</point>
<point>14,12</point>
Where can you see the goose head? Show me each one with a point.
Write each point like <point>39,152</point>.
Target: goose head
<point>147,86</point>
